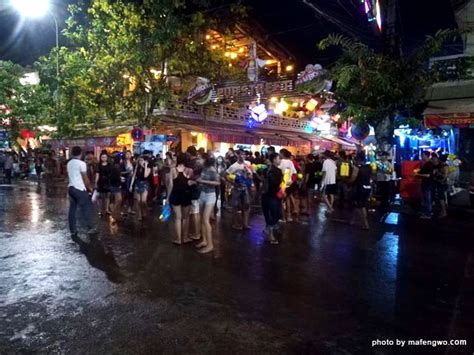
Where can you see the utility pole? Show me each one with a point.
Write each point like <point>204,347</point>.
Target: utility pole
<point>391,29</point>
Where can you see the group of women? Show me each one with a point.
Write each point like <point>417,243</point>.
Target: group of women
<point>121,185</point>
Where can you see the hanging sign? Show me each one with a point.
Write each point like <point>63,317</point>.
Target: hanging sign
<point>313,80</point>
<point>201,93</point>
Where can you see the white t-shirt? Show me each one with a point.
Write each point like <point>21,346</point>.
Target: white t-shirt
<point>74,169</point>
<point>287,164</point>
<point>330,171</point>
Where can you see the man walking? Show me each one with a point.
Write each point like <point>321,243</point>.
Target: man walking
<point>78,188</point>
<point>8,168</point>
<point>329,180</point>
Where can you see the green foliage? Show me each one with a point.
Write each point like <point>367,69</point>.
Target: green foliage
<point>376,86</point>
<point>23,105</point>
<point>117,42</point>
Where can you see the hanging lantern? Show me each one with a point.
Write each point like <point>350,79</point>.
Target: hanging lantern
<point>137,134</point>
<point>311,104</point>
<point>259,113</point>
<point>360,131</point>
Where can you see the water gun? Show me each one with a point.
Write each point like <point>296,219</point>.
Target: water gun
<point>385,168</point>
<point>242,180</point>
<point>258,168</point>
<point>166,213</point>
<point>286,181</point>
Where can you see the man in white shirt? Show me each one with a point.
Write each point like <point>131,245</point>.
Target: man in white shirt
<point>78,190</point>
<point>329,180</point>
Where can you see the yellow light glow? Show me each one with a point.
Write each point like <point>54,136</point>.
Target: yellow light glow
<point>208,37</point>
<point>281,107</point>
<point>156,73</point>
<point>226,54</point>
<point>295,104</point>
<point>194,134</point>
<point>241,50</point>
<point>125,76</point>
<point>311,104</point>
<point>270,61</point>
<point>289,68</point>
<point>214,46</point>
<point>230,64</point>
<point>274,100</point>
<point>233,55</point>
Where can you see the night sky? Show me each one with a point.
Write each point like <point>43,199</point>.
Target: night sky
<point>290,22</point>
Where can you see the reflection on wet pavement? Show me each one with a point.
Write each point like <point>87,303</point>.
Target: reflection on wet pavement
<point>327,288</point>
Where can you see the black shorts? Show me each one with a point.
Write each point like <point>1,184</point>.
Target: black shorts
<point>330,189</point>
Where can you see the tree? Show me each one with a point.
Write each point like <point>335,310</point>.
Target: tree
<point>376,87</point>
<point>21,105</point>
<point>124,55</point>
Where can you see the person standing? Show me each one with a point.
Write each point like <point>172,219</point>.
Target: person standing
<point>208,182</point>
<point>240,175</point>
<point>287,167</point>
<point>8,168</point>
<point>180,199</point>
<point>102,182</point>
<point>141,185</point>
<point>426,175</point>
<point>440,183</point>
<point>384,181</point>
<point>116,188</point>
<point>194,163</point>
<point>38,167</point>
<point>221,189</point>
<point>127,187</point>
<point>329,180</point>
<point>78,188</point>
<point>361,188</point>
<point>271,203</point>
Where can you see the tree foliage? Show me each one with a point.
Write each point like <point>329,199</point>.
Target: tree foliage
<point>375,86</point>
<point>21,105</point>
<point>124,54</point>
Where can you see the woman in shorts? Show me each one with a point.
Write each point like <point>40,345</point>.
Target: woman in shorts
<point>141,174</point>
<point>116,188</point>
<point>180,200</point>
<point>208,181</point>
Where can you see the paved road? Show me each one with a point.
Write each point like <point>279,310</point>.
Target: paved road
<point>328,288</point>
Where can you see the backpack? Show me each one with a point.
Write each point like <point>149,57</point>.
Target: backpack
<point>345,169</point>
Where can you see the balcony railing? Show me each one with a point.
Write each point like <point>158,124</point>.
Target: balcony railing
<point>223,114</point>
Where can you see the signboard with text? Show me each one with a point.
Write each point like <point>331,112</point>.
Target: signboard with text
<point>244,91</point>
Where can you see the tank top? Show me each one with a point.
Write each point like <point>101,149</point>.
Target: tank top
<point>180,183</point>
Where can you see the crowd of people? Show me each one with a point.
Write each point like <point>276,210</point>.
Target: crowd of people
<point>196,185</point>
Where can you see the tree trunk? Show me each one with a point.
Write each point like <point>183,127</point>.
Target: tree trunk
<point>384,133</point>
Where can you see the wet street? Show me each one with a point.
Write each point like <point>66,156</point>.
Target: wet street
<point>328,288</point>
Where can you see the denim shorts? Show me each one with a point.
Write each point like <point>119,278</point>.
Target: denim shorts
<point>141,187</point>
<point>115,189</point>
<point>208,198</point>
<point>240,199</point>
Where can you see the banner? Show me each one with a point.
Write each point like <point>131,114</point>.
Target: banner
<point>458,120</point>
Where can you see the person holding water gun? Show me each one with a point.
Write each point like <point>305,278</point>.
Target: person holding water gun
<point>271,200</point>
<point>239,175</point>
<point>288,169</point>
